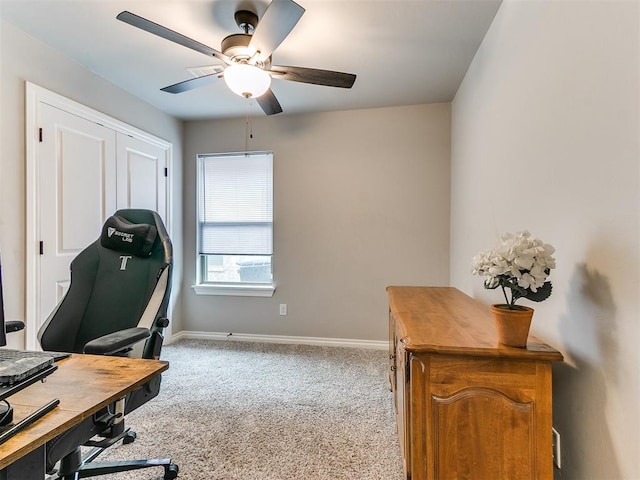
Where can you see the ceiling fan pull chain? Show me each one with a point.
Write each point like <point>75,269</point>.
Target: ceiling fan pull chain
<point>246,134</point>
<point>247,128</point>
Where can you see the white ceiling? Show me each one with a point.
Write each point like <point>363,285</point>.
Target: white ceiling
<point>404,52</point>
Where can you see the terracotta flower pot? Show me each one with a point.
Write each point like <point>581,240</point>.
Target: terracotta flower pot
<point>512,325</point>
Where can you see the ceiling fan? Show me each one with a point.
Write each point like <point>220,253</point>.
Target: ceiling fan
<point>247,56</point>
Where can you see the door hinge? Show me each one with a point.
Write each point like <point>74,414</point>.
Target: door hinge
<point>166,172</point>
<point>40,134</point>
<point>41,247</point>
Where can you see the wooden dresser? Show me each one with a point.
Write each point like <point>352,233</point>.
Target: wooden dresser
<point>466,406</point>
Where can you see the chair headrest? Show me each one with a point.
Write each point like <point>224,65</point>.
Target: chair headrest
<point>124,236</point>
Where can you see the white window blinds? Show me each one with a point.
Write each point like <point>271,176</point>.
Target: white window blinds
<point>236,204</point>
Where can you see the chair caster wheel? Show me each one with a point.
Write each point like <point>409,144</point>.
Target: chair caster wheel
<point>171,472</point>
<point>130,437</point>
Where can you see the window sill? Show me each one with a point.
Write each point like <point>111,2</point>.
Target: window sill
<point>245,290</point>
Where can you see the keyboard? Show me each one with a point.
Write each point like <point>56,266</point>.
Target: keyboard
<point>19,365</point>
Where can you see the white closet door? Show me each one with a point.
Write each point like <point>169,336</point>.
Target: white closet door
<point>141,180</point>
<point>77,193</point>
<point>86,166</point>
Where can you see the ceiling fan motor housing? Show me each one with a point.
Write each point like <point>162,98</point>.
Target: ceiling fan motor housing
<point>236,47</point>
<point>246,20</point>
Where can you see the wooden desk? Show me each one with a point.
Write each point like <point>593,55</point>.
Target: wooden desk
<point>84,384</point>
<point>467,407</point>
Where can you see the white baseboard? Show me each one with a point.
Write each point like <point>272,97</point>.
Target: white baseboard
<point>248,337</point>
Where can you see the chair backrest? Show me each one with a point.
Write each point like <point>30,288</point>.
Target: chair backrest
<point>122,280</point>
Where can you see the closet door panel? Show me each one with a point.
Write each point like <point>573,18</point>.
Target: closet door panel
<point>77,185</point>
<point>141,175</point>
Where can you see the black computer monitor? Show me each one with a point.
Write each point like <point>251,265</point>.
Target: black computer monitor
<point>3,334</point>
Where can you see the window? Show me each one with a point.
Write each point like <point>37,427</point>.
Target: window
<point>235,224</point>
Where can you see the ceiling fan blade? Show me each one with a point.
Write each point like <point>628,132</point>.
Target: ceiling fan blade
<point>269,103</point>
<point>191,83</point>
<point>274,26</point>
<point>168,34</point>
<point>314,76</point>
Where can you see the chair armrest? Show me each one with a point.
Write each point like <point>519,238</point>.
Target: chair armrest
<point>116,341</point>
<point>11,326</point>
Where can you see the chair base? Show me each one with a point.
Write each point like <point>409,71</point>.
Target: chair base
<point>104,468</point>
<point>75,466</point>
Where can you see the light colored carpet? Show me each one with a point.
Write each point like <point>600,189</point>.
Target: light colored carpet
<point>251,411</point>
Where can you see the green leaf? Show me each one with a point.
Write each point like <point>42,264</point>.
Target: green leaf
<point>488,286</point>
<point>541,294</point>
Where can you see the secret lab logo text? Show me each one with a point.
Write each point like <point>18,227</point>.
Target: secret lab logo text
<point>126,237</point>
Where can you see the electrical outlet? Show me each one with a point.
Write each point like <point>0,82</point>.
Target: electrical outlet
<point>283,309</point>
<point>556,448</point>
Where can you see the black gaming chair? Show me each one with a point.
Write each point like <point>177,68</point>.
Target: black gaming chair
<point>116,305</point>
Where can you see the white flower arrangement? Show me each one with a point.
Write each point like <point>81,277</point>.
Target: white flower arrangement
<point>520,263</point>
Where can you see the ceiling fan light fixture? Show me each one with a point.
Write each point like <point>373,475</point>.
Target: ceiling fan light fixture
<point>246,80</point>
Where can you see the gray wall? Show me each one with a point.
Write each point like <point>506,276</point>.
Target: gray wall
<point>361,201</point>
<point>545,137</point>
<point>22,58</point>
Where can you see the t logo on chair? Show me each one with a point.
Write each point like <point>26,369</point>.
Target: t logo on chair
<point>123,261</point>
